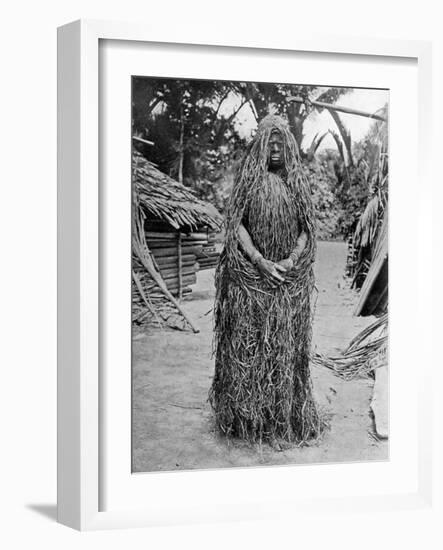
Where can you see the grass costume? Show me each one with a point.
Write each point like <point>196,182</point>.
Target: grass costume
<point>264,281</point>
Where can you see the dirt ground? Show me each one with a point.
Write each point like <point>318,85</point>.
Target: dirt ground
<point>172,371</point>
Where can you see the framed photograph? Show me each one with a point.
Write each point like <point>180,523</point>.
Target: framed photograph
<point>236,326</point>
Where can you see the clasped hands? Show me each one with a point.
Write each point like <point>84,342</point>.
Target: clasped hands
<point>271,271</point>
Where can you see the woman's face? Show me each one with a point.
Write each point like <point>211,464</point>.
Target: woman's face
<point>275,150</point>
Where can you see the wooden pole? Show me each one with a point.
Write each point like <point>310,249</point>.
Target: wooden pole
<point>181,149</point>
<point>147,261</point>
<point>179,255</point>
<point>142,294</point>
<point>143,140</point>
<point>339,108</point>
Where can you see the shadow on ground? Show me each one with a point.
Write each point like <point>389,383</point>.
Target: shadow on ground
<point>48,511</point>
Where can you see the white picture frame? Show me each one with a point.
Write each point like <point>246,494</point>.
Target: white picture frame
<point>79,292</point>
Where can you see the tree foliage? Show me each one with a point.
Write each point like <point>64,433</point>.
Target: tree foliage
<point>195,140</point>
<point>199,141</point>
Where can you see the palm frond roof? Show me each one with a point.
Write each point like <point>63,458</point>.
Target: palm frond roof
<point>164,198</point>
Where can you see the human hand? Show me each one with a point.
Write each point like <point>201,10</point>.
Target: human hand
<point>271,271</point>
<point>287,263</point>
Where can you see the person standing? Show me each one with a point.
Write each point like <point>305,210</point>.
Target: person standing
<point>262,390</point>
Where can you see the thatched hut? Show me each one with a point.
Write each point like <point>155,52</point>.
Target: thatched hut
<point>173,230</point>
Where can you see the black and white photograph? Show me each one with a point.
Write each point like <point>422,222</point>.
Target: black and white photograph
<point>259,274</point>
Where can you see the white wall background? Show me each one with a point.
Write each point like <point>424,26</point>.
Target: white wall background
<point>28,274</point>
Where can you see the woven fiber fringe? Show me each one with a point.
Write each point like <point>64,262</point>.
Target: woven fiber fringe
<point>262,387</point>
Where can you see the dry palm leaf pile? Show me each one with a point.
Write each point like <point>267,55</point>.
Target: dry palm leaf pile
<point>366,352</point>
<point>262,387</point>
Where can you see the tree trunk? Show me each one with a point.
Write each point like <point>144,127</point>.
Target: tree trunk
<point>181,147</point>
<point>296,122</point>
<point>345,135</point>
<point>339,145</point>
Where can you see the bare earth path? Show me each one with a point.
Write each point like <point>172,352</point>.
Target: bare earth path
<point>172,372</point>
